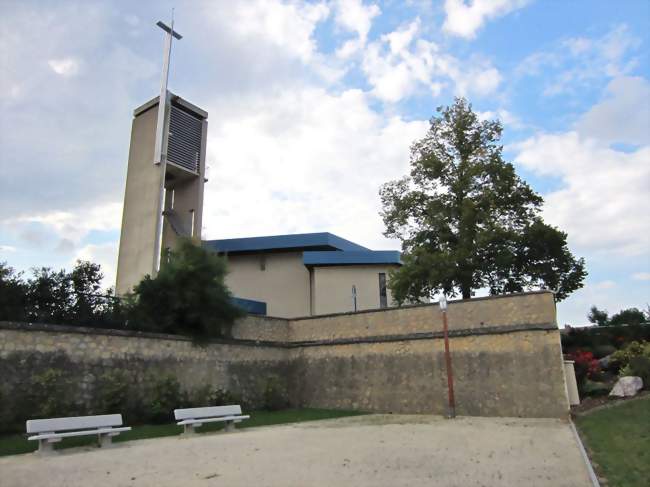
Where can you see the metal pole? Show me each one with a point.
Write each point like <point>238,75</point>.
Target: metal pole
<point>451,411</point>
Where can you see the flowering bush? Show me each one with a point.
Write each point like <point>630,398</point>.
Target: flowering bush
<point>586,365</point>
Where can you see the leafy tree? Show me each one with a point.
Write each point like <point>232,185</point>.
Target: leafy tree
<point>49,296</point>
<point>598,316</point>
<point>630,316</point>
<point>188,296</point>
<point>13,294</point>
<point>467,221</point>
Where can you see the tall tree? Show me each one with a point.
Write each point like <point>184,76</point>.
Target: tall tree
<point>630,316</point>
<point>13,294</point>
<point>598,316</point>
<point>467,221</point>
<point>188,296</point>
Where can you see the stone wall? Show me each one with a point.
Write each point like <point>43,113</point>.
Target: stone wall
<point>506,357</point>
<point>86,355</point>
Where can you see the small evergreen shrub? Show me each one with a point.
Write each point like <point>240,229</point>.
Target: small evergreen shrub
<point>275,395</point>
<point>49,395</point>
<point>591,388</point>
<point>165,396</point>
<point>222,397</point>
<point>116,392</point>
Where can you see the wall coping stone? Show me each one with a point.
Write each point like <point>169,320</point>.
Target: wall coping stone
<point>418,305</point>
<point>488,330</point>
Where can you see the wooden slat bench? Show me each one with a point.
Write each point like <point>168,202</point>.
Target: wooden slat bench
<point>55,429</point>
<point>191,418</point>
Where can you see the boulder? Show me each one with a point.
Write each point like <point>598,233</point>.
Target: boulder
<point>627,387</point>
<point>604,362</point>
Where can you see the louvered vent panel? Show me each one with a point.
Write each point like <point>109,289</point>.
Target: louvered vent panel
<point>184,146</point>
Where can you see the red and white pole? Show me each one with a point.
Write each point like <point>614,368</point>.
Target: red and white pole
<point>451,410</point>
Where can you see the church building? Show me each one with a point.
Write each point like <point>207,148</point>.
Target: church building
<point>283,275</point>
<point>306,274</point>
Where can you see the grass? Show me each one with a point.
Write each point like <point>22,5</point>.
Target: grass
<point>618,439</point>
<point>15,444</point>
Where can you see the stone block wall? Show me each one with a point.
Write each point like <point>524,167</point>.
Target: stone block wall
<point>85,355</point>
<point>506,358</point>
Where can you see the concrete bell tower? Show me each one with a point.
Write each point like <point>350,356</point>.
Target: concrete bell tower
<point>163,201</point>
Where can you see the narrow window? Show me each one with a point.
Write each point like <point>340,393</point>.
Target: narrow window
<point>383,298</point>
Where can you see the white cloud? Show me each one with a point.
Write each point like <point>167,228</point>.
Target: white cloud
<point>7,248</point>
<point>72,226</point>
<point>287,25</point>
<point>464,19</point>
<point>105,255</point>
<point>303,161</point>
<point>506,117</point>
<point>354,16</point>
<point>576,62</point>
<point>605,193</point>
<point>400,63</point>
<point>623,116</point>
<point>65,67</point>
<point>604,197</point>
<point>641,276</point>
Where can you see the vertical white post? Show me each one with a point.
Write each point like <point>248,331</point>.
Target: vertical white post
<point>158,158</point>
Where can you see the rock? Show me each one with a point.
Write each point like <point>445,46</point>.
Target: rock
<point>604,362</point>
<point>627,387</point>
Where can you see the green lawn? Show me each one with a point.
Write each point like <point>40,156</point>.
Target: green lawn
<point>14,444</point>
<point>618,439</point>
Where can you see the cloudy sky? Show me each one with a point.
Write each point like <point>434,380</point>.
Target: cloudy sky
<point>313,105</point>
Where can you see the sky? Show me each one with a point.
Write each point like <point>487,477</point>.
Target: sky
<point>314,105</point>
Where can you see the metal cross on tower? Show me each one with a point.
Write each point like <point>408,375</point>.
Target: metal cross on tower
<point>159,158</point>
<point>162,103</point>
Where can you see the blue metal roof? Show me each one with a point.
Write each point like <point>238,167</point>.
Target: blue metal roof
<point>351,257</point>
<point>250,305</point>
<point>298,241</point>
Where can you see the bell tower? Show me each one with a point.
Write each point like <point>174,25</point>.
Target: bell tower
<point>163,200</point>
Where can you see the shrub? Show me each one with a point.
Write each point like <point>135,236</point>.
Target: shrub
<point>275,395</point>
<point>604,350</point>
<point>188,296</point>
<point>115,393</point>
<point>165,397</point>
<point>222,397</point>
<point>640,366</point>
<point>591,388</point>
<point>621,358</point>
<point>586,366</point>
<point>48,395</point>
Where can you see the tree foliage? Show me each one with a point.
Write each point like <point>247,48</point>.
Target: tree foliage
<point>598,316</point>
<point>467,221</point>
<point>59,297</point>
<point>188,296</point>
<point>629,316</point>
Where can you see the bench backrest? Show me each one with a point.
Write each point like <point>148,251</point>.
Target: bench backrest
<point>209,412</point>
<point>73,423</point>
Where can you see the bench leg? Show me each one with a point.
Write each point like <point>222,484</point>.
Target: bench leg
<point>45,448</point>
<point>105,441</point>
<point>188,430</point>
<point>230,426</point>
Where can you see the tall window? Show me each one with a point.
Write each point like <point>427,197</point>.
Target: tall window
<point>383,298</point>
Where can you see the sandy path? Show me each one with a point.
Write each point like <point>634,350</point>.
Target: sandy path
<point>377,450</point>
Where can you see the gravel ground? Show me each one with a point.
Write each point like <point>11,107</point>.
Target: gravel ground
<point>374,450</point>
